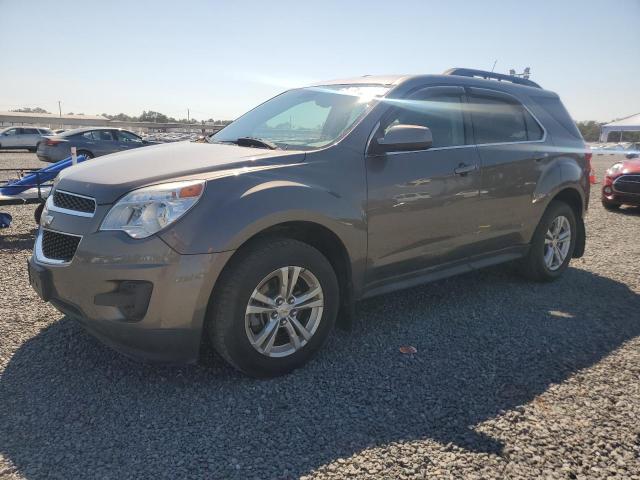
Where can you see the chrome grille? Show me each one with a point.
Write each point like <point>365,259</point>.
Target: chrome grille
<point>59,246</point>
<point>627,184</point>
<point>71,201</point>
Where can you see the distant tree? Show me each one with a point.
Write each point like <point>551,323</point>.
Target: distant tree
<point>30,110</point>
<point>590,130</point>
<point>151,116</point>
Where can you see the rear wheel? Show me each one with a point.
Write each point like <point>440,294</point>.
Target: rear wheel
<point>552,245</point>
<point>274,307</point>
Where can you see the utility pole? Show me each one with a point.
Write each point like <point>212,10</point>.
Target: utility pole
<point>59,109</point>
<point>188,117</point>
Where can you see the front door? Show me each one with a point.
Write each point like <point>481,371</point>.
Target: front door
<point>11,138</point>
<point>423,205</point>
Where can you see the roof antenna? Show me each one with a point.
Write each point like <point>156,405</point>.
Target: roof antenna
<point>494,65</point>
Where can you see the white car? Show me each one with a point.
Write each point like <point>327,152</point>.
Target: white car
<point>22,137</point>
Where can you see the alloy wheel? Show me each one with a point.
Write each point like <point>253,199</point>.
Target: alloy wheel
<point>557,242</point>
<point>284,311</point>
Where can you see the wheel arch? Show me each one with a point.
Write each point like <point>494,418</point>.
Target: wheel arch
<point>323,239</point>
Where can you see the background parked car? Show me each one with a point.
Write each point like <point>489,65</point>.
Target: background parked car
<point>621,183</point>
<point>92,142</point>
<point>22,137</point>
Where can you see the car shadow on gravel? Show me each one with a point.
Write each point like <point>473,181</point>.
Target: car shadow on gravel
<point>486,343</point>
<point>17,241</point>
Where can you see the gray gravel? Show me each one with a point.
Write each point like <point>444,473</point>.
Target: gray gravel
<point>511,380</point>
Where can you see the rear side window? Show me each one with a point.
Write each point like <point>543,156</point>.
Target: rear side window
<point>501,120</point>
<point>45,131</point>
<point>30,131</point>
<point>553,106</point>
<point>442,114</point>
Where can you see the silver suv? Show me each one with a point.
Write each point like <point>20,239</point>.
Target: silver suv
<point>22,137</point>
<point>259,239</point>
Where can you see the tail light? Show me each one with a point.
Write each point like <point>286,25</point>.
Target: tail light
<point>592,173</point>
<point>52,143</point>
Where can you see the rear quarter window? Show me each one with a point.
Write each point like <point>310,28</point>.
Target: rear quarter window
<point>555,109</point>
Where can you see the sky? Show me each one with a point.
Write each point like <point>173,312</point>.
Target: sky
<point>221,58</point>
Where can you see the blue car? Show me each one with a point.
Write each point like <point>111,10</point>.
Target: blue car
<point>90,142</point>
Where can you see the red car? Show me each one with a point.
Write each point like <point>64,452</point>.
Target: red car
<point>622,183</point>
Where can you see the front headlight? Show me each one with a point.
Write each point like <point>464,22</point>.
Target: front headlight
<point>145,211</point>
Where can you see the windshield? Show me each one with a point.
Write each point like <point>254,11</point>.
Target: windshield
<point>304,119</point>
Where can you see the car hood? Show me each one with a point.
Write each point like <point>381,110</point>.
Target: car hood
<point>630,166</point>
<point>108,178</point>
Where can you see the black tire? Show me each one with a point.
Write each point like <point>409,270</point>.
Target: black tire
<point>37,215</point>
<point>533,266</point>
<point>33,149</point>
<point>610,205</point>
<point>233,292</point>
<point>86,153</point>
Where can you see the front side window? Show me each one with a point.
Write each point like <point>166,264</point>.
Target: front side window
<point>498,120</point>
<point>442,114</point>
<point>12,131</point>
<point>127,137</point>
<point>306,118</point>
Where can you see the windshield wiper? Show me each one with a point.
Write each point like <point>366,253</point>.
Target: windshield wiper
<point>255,142</point>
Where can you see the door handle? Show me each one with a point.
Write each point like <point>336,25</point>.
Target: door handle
<point>463,169</point>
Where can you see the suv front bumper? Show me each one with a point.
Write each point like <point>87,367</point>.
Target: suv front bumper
<point>89,289</point>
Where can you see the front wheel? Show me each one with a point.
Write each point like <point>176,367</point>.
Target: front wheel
<point>552,244</point>
<point>274,307</point>
<point>610,205</point>
<point>86,153</point>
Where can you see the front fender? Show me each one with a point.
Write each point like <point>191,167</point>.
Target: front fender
<point>228,216</point>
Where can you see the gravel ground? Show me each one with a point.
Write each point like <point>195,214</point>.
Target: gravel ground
<point>510,380</point>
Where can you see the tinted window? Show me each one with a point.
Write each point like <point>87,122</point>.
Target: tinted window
<point>127,137</point>
<point>497,120</point>
<point>442,114</point>
<point>30,131</point>
<point>45,131</point>
<point>103,135</point>
<point>90,135</point>
<point>553,106</point>
<point>12,131</point>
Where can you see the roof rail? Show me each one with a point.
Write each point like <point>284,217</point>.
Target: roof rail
<point>469,72</point>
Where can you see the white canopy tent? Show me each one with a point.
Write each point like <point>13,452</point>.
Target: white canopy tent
<point>629,124</point>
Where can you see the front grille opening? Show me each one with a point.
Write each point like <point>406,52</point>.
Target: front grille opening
<point>58,246</point>
<point>74,202</point>
<point>628,184</point>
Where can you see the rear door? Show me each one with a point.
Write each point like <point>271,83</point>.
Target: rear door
<point>511,145</point>
<point>30,137</point>
<point>422,205</point>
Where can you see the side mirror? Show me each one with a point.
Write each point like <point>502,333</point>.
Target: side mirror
<point>405,138</point>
